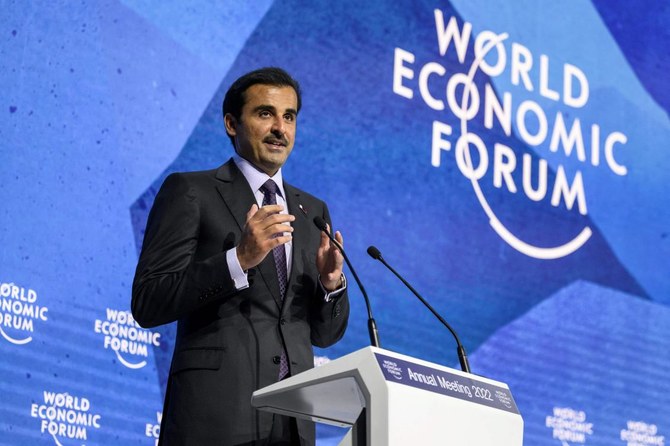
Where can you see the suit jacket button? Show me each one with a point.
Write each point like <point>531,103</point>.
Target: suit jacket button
<point>282,321</point>
<point>276,359</point>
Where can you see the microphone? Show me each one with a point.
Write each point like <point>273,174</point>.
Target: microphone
<point>460,351</point>
<point>372,325</point>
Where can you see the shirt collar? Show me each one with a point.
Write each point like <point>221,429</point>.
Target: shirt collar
<point>255,177</point>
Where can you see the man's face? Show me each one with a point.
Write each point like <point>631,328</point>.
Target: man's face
<point>265,133</point>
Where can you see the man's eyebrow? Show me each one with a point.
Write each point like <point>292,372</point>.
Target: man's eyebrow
<point>264,107</point>
<point>273,109</point>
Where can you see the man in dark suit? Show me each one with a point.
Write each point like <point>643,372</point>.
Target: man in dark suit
<point>232,254</point>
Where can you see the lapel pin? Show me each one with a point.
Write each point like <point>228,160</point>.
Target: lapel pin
<point>304,211</point>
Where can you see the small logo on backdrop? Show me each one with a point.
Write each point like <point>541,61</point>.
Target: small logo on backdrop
<point>639,433</point>
<point>569,426</point>
<point>19,310</point>
<point>153,430</point>
<point>393,368</point>
<point>65,417</point>
<point>126,338</point>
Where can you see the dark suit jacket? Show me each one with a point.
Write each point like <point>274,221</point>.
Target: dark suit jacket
<point>228,342</point>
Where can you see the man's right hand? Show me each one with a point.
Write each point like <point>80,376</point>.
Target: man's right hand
<point>265,228</point>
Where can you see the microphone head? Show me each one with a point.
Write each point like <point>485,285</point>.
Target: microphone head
<point>374,253</point>
<point>320,223</point>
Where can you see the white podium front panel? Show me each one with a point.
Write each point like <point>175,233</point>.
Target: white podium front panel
<point>405,401</point>
<point>434,405</point>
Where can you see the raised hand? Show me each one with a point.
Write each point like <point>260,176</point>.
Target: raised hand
<point>265,228</point>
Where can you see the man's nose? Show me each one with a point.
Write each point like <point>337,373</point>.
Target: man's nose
<point>278,127</point>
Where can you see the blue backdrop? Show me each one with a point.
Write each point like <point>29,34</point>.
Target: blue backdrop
<point>531,211</point>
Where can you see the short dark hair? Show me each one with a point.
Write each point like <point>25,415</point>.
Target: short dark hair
<point>235,98</point>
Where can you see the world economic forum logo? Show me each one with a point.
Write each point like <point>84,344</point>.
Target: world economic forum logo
<point>68,419</point>
<point>449,88</point>
<point>393,369</point>
<point>20,310</point>
<point>123,335</point>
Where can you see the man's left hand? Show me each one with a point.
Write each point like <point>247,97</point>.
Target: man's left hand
<point>329,261</point>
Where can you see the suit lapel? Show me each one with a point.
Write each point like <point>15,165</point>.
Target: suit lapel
<point>235,191</point>
<point>238,197</point>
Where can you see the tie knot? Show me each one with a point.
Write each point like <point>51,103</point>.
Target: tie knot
<point>269,187</point>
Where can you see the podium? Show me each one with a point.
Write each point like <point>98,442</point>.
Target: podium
<point>389,399</point>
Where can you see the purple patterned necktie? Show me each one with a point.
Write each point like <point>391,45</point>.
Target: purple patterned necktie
<point>269,189</point>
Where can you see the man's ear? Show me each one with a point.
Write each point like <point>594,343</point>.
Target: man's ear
<point>231,124</point>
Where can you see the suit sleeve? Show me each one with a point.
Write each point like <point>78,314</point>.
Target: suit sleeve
<point>169,281</point>
<point>329,319</point>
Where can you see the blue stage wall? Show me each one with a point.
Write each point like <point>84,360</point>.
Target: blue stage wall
<point>531,211</point>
